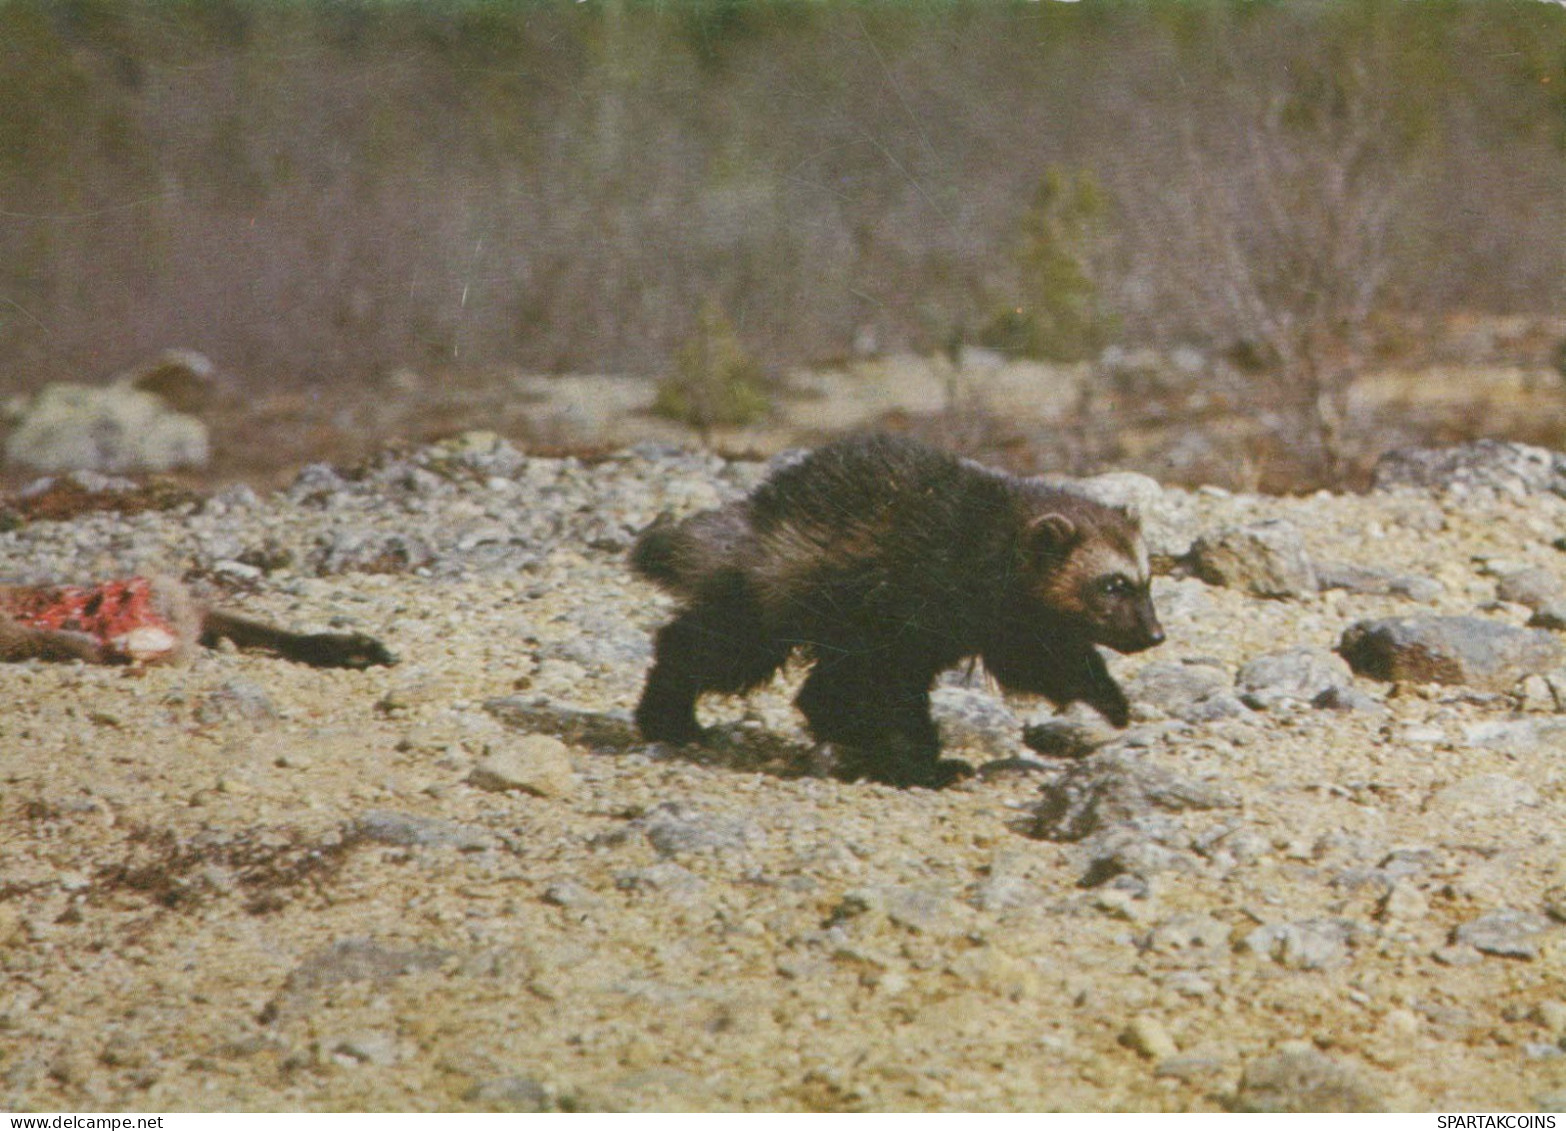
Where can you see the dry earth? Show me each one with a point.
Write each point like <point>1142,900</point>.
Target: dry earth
<point>461,883</point>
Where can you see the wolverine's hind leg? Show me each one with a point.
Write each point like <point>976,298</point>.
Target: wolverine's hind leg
<point>712,646</point>
<point>880,716</point>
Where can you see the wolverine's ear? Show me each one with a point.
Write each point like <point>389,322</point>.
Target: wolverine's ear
<point>1051,534</point>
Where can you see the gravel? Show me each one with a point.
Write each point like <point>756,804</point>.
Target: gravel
<point>464,883</point>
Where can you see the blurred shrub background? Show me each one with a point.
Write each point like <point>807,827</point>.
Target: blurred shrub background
<point>313,190</point>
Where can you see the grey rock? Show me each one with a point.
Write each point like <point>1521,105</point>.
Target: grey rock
<point>536,763</point>
<point>926,910</point>
<point>1346,699</point>
<point>1310,944</point>
<point>1370,581</point>
<point>1516,470</point>
<point>1067,737</point>
<point>1111,788</point>
<point>1483,795</point>
<point>603,641</point>
<point>118,430</point>
<point>408,830</point>
<point>1147,1037</point>
<point>510,1093</point>
<point>1551,616</point>
<point>1189,933</point>
<point>1134,852</point>
<point>1536,588</point>
<point>1300,674</point>
<point>1266,559</point>
<point>1300,1079</point>
<point>1454,650</point>
<point>237,699</point>
<point>674,829</point>
<point>360,960</point>
<point>1507,933</point>
<point>371,1047</point>
<point>670,881</point>
<point>569,894</point>
<point>974,719</point>
<point>1195,691</point>
<point>362,550</point>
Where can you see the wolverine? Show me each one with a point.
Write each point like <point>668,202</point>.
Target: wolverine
<point>884,562</point>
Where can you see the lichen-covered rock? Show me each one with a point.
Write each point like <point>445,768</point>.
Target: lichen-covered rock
<point>1455,650</point>
<point>117,430</point>
<point>1266,559</point>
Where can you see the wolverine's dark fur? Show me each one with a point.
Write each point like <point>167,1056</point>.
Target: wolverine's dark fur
<point>886,562</point>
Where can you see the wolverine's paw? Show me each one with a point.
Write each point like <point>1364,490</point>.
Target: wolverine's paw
<point>1111,702</point>
<point>676,728</point>
<point>895,767</point>
<point>344,650</point>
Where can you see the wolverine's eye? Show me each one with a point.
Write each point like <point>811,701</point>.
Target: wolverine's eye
<point>1115,585</point>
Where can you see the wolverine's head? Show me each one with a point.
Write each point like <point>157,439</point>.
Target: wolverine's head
<point>1087,563</point>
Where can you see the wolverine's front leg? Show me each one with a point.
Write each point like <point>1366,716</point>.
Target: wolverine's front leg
<point>1062,673</point>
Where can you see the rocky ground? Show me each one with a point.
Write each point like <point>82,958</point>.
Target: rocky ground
<point>462,882</point>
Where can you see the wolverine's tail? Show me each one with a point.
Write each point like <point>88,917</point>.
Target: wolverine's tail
<point>655,557</point>
<point>688,557</point>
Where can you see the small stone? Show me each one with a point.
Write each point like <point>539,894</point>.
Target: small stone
<point>1266,559</point>
<point>412,831</point>
<point>1456,956</point>
<point>1507,933</point>
<point>368,1048</point>
<point>1066,738</point>
<point>1193,690</point>
<point>1552,1015</point>
<point>1193,933</point>
<point>13,925</point>
<point>1534,694</point>
<point>1346,699</point>
<point>1188,1068</point>
<point>1483,795</point>
<point>674,828</point>
<point>1554,903</point>
<point>1146,1036</point>
<point>238,699</point>
<point>924,910</point>
<point>1551,616</point>
<point>570,894</point>
<point>1536,588</point>
<point>1403,902</point>
<point>1112,788</point>
<point>1377,582</point>
<point>1300,674</point>
<point>1311,944</point>
<point>992,969</point>
<point>509,1093</point>
<point>536,763</point>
